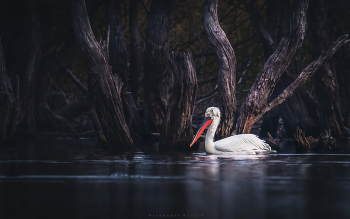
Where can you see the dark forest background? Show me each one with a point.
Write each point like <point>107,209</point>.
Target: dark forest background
<point>147,70</point>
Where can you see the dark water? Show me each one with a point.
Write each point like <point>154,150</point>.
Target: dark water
<point>66,180</point>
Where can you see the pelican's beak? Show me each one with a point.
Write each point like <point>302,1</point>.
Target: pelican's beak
<point>206,122</point>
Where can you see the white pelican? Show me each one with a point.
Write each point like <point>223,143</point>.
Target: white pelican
<point>237,144</point>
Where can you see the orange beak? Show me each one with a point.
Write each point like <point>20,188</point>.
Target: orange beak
<point>206,122</point>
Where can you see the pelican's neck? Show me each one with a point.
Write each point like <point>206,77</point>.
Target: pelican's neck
<point>209,138</point>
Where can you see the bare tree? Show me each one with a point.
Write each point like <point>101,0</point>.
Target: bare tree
<point>274,67</point>
<point>104,87</point>
<point>177,130</point>
<point>306,73</point>
<point>227,68</point>
<point>300,110</point>
<point>117,50</point>
<point>256,104</point>
<point>156,63</point>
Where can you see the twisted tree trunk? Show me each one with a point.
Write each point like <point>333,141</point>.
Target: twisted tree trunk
<point>104,87</point>
<point>227,68</point>
<point>117,50</point>
<point>300,110</point>
<point>256,103</point>
<point>306,73</point>
<point>274,67</point>
<point>177,130</point>
<point>155,64</point>
<point>277,23</point>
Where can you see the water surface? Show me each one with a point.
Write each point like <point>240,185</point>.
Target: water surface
<point>67,179</point>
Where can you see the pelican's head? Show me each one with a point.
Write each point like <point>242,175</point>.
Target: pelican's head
<point>212,113</point>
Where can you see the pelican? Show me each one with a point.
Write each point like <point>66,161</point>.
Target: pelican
<point>237,144</point>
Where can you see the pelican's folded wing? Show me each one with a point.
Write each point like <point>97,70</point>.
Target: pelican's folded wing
<point>240,143</point>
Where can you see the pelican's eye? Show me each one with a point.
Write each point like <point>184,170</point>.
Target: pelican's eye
<point>208,115</point>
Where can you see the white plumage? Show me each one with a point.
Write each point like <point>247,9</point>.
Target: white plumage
<point>237,144</point>
<point>240,143</point>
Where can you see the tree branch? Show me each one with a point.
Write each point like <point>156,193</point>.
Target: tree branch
<point>307,73</point>
<point>69,73</point>
<point>209,94</point>
<point>258,22</point>
<point>227,68</point>
<point>274,68</point>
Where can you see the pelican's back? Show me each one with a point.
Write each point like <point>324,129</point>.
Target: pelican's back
<point>242,143</point>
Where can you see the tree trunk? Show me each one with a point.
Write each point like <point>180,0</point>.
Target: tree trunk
<point>270,123</point>
<point>135,53</point>
<point>12,128</point>
<point>274,67</point>
<point>277,20</point>
<point>117,50</point>
<point>277,23</point>
<point>177,130</point>
<point>7,99</point>
<point>227,68</point>
<point>32,70</point>
<point>118,61</point>
<point>324,30</point>
<point>75,109</point>
<point>299,110</point>
<point>104,87</point>
<point>343,62</point>
<point>295,111</point>
<point>46,119</point>
<point>304,75</point>
<point>98,127</point>
<point>343,76</point>
<point>155,64</point>
<point>301,143</point>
